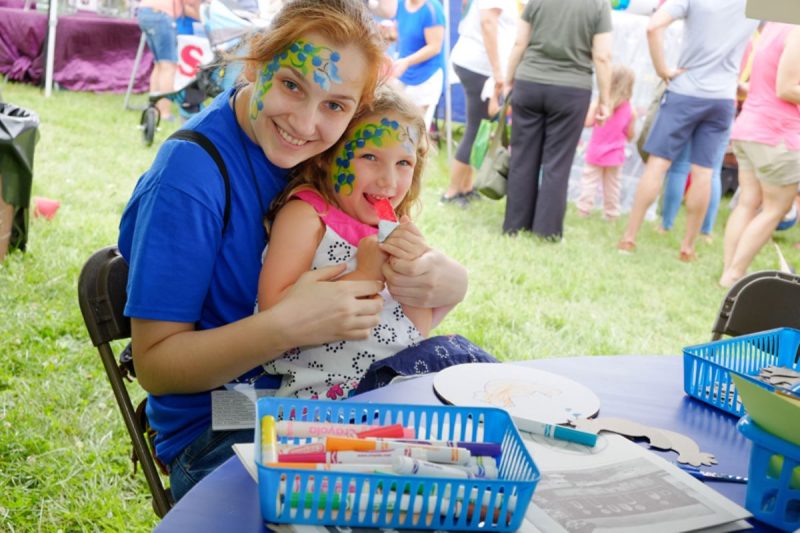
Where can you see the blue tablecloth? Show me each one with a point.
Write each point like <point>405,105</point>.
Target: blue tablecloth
<point>647,389</point>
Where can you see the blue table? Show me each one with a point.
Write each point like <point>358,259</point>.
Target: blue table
<point>647,389</point>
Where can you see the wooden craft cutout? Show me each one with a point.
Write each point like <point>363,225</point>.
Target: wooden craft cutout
<point>662,439</point>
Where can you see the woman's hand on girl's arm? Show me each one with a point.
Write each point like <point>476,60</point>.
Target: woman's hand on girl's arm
<point>174,358</point>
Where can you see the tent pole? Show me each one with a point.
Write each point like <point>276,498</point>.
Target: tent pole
<point>52,22</point>
<point>447,87</point>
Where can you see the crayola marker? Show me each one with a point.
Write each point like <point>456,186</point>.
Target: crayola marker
<point>303,430</point>
<point>269,440</point>
<point>406,466</point>
<point>439,454</point>
<point>354,469</point>
<point>491,449</point>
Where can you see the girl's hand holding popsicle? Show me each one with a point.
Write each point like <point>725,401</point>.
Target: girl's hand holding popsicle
<point>405,242</point>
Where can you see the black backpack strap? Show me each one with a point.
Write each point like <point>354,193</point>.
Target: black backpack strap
<point>204,142</point>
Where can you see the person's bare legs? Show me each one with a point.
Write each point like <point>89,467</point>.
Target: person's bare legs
<point>696,206</point>
<point>460,179</point>
<point>646,193</point>
<point>162,80</point>
<point>747,205</point>
<point>777,200</point>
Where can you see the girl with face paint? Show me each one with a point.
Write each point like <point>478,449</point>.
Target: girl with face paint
<point>193,274</point>
<point>330,215</point>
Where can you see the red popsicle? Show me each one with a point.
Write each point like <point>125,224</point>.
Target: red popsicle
<point>384,209</point>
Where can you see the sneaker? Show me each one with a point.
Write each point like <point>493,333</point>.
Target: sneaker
<point>457,200</point>
<point>626,247</point>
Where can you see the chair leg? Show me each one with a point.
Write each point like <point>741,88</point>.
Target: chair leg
<point>161,500</point>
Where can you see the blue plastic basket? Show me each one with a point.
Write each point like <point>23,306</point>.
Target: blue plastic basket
<point>507,497</point>
<point>707,367</point>
<point>773,488</point>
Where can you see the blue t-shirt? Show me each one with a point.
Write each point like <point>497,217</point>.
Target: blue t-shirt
<point>182,267</point>
<point>411,37</point>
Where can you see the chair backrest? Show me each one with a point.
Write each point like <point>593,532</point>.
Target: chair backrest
<point>102,295</point>
<point>757,302</point>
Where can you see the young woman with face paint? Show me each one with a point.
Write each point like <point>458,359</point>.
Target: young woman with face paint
<point>193,279</point>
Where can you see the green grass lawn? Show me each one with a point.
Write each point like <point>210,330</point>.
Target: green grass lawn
<point>63,447</point>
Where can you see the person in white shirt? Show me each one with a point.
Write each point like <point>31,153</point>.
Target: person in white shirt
<point>486,36</point>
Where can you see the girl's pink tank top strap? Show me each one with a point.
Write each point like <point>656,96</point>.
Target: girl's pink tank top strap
<point>346,226</point>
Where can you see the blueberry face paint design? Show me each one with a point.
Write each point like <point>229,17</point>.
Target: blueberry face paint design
<point>375,134</point>
<point>303,56</point>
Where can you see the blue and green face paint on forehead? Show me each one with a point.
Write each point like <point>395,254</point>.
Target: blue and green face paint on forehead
<point>304,57</point>
<point>386,132</point>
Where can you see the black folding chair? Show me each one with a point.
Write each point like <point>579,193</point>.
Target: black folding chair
<point>102,295</point>
<point>760,301</point>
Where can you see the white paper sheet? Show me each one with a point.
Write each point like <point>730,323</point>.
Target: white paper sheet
<point>619,486</point>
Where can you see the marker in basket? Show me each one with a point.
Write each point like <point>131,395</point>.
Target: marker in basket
<point>351,468</point>
<point>304,430</point>
<point>406,466</point>
<point>387,220</point>
<point>383,457</point>
<point>392,431</point>
<point>350,502</point>
<point>269,440</point>
<point>445,454</point>
<point>555,432</point>
<point>311,447</point>
<point>490,449</point>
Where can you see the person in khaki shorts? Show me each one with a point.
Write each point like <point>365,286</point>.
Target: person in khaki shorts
<point>766,141</point>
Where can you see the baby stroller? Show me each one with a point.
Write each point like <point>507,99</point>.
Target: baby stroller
<point>225,23</point>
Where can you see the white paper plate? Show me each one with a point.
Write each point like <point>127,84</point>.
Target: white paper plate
<point>523,391</point>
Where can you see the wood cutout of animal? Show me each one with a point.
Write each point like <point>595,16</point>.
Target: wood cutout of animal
<point>687,449</point>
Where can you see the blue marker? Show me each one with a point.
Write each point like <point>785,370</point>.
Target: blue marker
<point>706,475</point>
<point>553,431</point>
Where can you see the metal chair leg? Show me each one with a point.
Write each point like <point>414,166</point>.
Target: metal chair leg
<point>139,54</point>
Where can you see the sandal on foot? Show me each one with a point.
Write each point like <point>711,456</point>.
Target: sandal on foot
<point>687,257</point>
<point>626,247</point>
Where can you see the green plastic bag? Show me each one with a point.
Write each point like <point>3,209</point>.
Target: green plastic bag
<point>481,144</point>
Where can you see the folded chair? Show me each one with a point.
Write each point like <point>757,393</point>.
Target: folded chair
<point>762,300</point>
<point>102,295</point>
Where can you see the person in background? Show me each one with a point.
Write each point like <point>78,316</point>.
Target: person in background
<point>550,70</point>
<point>605,152</point>
<point>420,37</point>
<point>766,141</point>
<point>486,35</point>
<point>678,173</point>
<point>157,19</point>
<point>696,108</point>
<point>193,279</point>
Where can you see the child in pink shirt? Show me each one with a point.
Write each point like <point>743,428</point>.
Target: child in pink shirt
<point>605,152</point>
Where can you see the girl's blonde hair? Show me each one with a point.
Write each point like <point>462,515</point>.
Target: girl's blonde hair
<point>343,22</point>
<point>622,79</point>
<point>315,173</point>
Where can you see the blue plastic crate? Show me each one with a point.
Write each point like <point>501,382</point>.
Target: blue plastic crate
<point>507,497</point>
<point>707,367</point>
<point>773,488</point>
